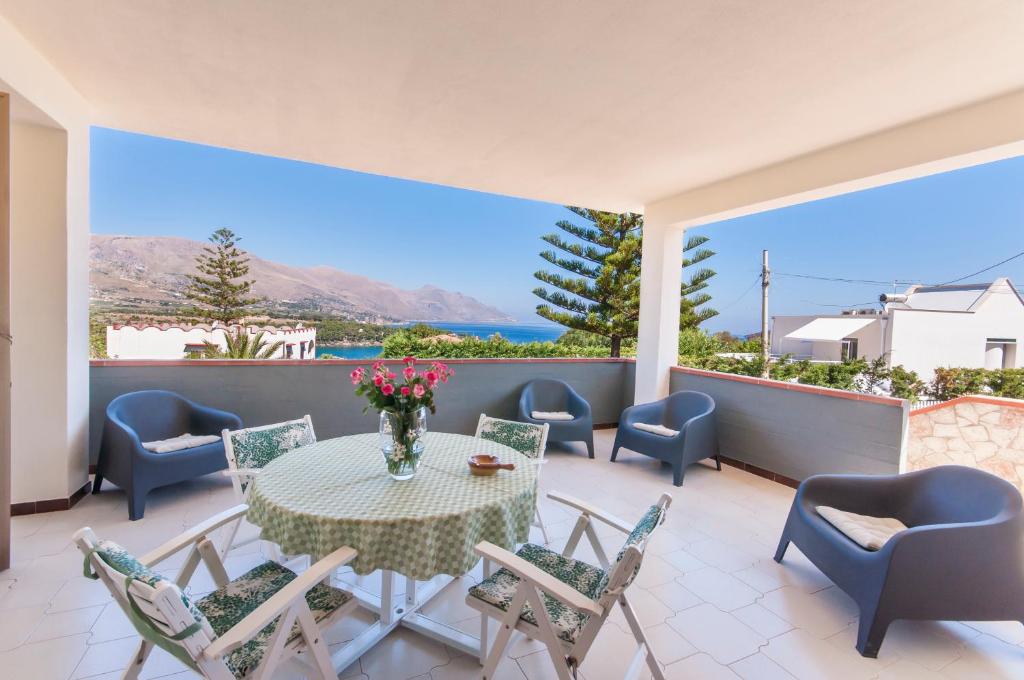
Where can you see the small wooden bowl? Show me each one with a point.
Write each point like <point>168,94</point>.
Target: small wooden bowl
<point>483,465</point>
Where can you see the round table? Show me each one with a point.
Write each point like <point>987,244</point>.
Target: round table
<point>337,492</point>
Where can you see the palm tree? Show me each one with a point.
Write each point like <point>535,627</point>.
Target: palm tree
<point>241,345</point>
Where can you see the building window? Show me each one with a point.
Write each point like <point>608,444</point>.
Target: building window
<point>289,350</point>
<point>1000,353</point>
<point>848,352</point>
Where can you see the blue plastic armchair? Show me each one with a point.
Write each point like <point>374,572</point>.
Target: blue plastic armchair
<point>961,559</point>
<point>552,396</point>
<point>690,414</point>
<point>151,415</point>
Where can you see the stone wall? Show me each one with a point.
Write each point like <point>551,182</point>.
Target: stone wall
<point>980,432</point>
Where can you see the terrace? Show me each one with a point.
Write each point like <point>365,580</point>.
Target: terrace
<point>858,98</point>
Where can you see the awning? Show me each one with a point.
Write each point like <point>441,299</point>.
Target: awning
<point>831,330</point>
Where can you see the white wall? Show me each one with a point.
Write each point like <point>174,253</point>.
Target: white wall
<point>50,276</point>
<point>923,341</point>
<point>156,343</point>
<point>869,339</point>
<point>41,430</point>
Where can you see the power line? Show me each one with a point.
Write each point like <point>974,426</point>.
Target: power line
<point>846,281</point>
<point>982,271</point>
<point>756,281</point>
<point>854,304</point>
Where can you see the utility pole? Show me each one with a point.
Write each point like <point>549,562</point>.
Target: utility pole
<point>765,282</point>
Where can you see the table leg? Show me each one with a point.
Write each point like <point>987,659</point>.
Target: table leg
<point>411,601</point>
<point>387,603</point>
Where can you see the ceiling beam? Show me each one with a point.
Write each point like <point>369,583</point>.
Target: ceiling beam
<point>979,133</point>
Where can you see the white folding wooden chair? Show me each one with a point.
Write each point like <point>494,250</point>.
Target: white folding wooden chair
<point>561,601</point>
<point>528,439</point>
<point>244,629</point>
<point>249,451</point>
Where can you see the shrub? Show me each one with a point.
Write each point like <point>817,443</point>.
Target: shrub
<point>950,383</point>
<point>406,343</point>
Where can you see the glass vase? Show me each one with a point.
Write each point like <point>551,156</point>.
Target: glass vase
<point>401,441</point>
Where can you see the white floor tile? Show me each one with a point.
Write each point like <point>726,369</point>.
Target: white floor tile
<point>763,621</point>
<point>48,660</point>
<point>720,589</point>
<point>719,634</point>
<point>759,667</point>
<point>809,658</point>
<point>699,667</point>
<point>822,614</point>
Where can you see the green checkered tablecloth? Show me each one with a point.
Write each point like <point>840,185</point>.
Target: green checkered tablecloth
<point>337,492</point>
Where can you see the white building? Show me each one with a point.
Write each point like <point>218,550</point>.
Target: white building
<point>927,327</point>
<point>174,341</point>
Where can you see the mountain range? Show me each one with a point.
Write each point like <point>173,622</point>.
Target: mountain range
<point>149,272</point>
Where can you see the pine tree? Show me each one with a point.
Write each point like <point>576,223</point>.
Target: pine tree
<point>219,289</point>
<point>603,295</point>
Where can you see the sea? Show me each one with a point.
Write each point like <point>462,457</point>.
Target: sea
<point>518,333</point>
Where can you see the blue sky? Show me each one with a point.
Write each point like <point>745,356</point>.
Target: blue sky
<point>410,234</point>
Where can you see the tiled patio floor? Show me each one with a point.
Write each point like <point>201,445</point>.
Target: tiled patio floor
<point>714,603</point>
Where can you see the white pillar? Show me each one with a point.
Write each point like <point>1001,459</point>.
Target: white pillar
<point>660,280</point>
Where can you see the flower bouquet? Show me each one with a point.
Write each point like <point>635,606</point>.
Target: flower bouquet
<point>403,402</point>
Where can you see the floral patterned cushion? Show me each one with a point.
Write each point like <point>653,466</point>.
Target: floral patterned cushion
<point>523,437</point>
<point>229,604</point>
<point>640,532</point>
<point>500,588</point>
<point>255,448</point>
<point>125,563</point>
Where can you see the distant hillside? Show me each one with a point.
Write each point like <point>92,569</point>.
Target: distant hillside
<point>143,272</point>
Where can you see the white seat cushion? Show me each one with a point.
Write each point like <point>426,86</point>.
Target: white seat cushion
<point>184,441</point>
<point>868,532</point>
<point>551,415</point>
<point>656,429</point>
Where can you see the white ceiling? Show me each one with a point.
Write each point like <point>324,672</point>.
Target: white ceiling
<point>607,104</point>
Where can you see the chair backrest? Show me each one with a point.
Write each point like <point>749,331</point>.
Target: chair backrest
<point>157,608</point>
<point>546,394</point>
<point>253,448</point>
<point>152,414</point>
<point>528,439</point>
<point>952,494</point>
<point>626,565</point>
<point>685,404</point>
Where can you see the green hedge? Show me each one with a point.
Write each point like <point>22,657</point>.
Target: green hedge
<point>857,375</point>
<point>950,383</point>
<point>404,344</point>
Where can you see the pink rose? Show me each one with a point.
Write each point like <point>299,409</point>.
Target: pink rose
<point>378,365</point>
<point>409,360</point>
<point>356,376</point>
<point>391,376</point>
<point>378,380</point>
<point>387,389</point>
<point>409,372</point>
<point>405,390</point>
<point>431,376</point>
<point>419,390</point>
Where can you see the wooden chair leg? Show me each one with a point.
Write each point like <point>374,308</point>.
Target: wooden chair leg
<point>508,626</point>
<point>315,643</point>
<point>540,525</point>
<point>230,543</point>
<point>547,632</point>
<point>641,638</point>
<point>485,568</point>
<point>138,661</point>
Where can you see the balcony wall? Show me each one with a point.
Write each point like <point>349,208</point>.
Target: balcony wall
<point>269,391</point>
<point>795,431</point>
